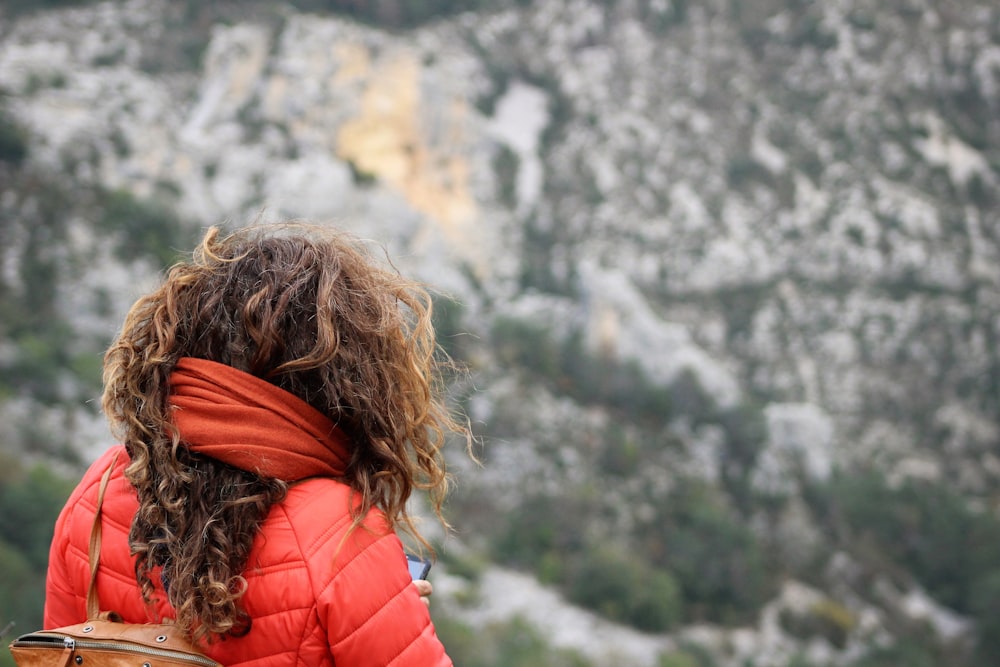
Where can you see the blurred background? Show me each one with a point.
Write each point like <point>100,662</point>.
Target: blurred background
<point>725,276</point>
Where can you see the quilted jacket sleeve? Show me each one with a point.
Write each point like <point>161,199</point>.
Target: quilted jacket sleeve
<point>62,603</point>
<point>372,612</point>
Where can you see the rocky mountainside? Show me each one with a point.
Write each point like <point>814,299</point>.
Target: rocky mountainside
<point>726,278</point>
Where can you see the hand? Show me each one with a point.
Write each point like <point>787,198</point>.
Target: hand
<point>424,588</point>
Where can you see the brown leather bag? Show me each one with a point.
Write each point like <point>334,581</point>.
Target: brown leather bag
<point>104,641</point>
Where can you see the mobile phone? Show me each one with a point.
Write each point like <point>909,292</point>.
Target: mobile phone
<point>419,567</point>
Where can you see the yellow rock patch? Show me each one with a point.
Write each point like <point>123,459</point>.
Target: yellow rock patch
<point>420,156</point>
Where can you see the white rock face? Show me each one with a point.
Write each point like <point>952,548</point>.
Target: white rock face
<point>286,119</point>
<point>519,119</point>
<point>620,322</point>
<point>800,436</point>
<point>314,187</point>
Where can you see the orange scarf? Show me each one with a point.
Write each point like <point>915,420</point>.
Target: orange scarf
<point>253,425</point>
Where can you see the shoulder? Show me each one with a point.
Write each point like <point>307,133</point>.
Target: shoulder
<point>316,525</point>
<point>82,503</point>
<point>318,497</point>
<point>364,597</point>
<point>89,483</point>
<point>312,549</point>
<point>319,515</point>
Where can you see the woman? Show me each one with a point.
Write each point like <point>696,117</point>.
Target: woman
<point>276,400</point>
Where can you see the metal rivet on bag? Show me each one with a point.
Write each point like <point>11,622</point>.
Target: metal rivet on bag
<point>79,659</point>
<point>161,639</point>
<point>89,628</point>
<point>146,664</point>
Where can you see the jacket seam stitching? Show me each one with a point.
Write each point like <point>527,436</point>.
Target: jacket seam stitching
<point>312,586</point>
<point>408,646</point>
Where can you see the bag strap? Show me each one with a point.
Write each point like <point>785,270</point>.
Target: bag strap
<point>93,603</point>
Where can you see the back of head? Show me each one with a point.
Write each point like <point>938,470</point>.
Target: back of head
<point>310,311</point>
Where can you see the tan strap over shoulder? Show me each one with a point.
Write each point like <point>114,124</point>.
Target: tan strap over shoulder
<point>93,603</point>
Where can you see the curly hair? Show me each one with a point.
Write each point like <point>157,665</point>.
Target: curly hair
<point>309,310</point>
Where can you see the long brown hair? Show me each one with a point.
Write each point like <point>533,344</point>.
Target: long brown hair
<point>309,310</point>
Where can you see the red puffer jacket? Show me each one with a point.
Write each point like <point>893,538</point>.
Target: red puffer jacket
<point>314,597</point>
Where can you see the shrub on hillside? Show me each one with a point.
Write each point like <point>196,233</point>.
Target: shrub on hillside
<point>142,227</point>
<point>13,140</point>
<point>625,589</point>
